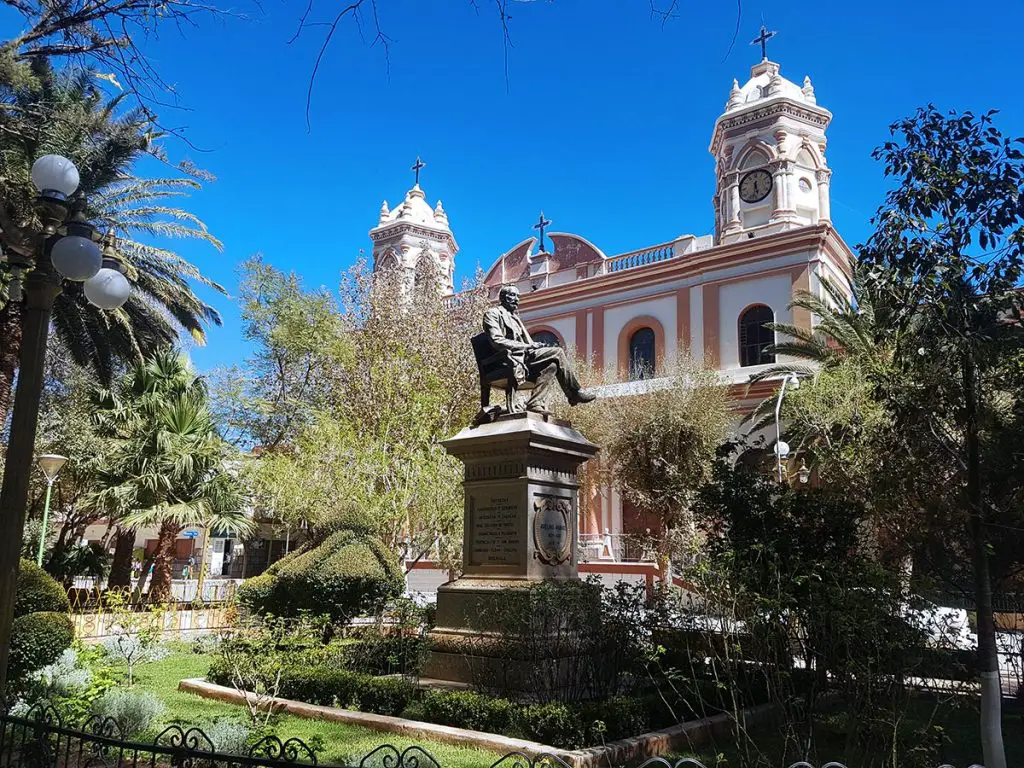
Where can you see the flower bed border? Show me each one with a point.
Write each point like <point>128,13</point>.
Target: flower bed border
<point>690,734</point>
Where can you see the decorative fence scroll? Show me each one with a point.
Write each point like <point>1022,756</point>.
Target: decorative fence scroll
<point>39,740</point>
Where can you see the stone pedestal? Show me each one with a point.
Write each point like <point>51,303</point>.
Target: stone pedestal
<point>521,498</point>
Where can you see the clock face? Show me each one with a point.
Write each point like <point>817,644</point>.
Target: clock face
<point>755,186</point>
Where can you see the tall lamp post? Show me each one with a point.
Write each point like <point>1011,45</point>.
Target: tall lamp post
<point>63,247</point>
<point>51,465</point>
<point>781,448</point>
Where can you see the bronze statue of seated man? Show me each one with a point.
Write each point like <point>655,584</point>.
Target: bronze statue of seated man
<point>531,361</point>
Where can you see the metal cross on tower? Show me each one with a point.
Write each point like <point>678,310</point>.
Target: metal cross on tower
<point>763,39</point>
<point>541,223</point>
<point>417,167</point>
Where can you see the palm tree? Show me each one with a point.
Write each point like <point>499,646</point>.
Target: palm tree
<point>66,114</point>
<point>170,465</point>
<point>855,327</point>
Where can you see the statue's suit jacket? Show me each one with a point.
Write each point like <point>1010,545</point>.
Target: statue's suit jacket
<point>508,333</point>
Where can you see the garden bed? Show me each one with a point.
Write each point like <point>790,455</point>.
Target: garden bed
<point>660,742</point>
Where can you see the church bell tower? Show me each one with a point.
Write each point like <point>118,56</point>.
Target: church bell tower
<point>769,149</point>
<point>413,232</point>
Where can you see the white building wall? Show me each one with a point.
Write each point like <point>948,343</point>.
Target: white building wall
<point>566,327</point>
<point>697,322</point>
<point>776,291</point>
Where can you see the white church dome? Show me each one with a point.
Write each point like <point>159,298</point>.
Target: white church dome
<point>415,209</point>
<point>765,84</point>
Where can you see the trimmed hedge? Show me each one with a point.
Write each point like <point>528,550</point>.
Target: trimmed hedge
<point>567,726</point>
<point>38,639</point>
<point>330,686</point>
<point>38,591</point>
<point>346,574</point>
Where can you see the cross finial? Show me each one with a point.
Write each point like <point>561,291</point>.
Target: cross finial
<point>541,224</point>
<point>763,39</point>
<point>417,167</point>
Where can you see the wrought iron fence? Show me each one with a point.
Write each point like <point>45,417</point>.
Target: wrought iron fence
<point>39,740</point>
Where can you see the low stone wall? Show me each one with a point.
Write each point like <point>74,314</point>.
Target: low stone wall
<point>686,735</point>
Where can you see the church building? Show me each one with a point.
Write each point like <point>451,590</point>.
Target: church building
<point>706,295</point>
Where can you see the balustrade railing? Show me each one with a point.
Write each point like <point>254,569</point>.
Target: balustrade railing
<point>639,258</point>
<point>616,548</point>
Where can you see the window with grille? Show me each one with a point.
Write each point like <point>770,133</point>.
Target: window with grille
<point>755,337</point>
<point>641,354</point>
<point>546,338</point>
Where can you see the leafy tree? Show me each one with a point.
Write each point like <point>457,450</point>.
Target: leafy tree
<point>789,573</point>
<point>352,395</point>
<point>949,241</point>
<point>66,114</point>
<point>170,466</point>
<point>300,343</point>
<point>659,446</point>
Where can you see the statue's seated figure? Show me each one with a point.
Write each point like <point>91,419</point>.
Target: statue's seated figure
<point>515,361</point>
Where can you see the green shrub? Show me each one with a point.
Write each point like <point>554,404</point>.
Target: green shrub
<point>331,686</point>
<point>555,724</point>
<point>385,654</point>
<point>228,736</point>
<point>38,591</point>
<point>133,711</point>
<point>344,575</point>
<point>567,726</point>
<point>463,709</point>
<point>38,639</point>
<point>617,718</point>
<point>257,593</point>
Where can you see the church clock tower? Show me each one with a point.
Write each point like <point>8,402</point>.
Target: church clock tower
<point>769,149</point>
<point>412,232</point>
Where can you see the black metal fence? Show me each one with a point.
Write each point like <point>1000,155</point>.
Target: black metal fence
<point>38,739</point>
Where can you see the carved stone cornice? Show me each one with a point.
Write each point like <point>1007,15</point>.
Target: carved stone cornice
<point>390,231</point>
<point>729,122</point>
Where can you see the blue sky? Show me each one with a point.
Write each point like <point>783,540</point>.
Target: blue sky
<point>604,123</point>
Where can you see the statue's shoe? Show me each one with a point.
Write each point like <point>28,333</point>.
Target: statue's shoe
<point>582,397</point>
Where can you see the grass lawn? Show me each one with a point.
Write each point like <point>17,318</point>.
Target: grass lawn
<point>344,743</point>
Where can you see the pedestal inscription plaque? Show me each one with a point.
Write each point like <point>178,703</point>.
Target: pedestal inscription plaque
<point>494,537</point>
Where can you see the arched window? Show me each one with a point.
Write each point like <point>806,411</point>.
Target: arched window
<point>546,338</point>
<point>754,337</point>
<point>641,354</point>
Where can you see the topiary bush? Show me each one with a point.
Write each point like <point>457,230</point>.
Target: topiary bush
<point>257,593</point>
<point>38,591</point>
<point>346,574</point>
<point>38,639</point>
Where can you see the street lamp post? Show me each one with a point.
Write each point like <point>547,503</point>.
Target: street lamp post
<point>781,449</point>
<point>51,465</point>
<point>64,247</point>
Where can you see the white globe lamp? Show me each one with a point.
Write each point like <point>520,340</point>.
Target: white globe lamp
<point>107,289</point>
<point>782,449</point>
<point>76,258</point>
<point>55,176</point>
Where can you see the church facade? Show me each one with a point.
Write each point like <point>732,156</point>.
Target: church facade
<point>634,314</point>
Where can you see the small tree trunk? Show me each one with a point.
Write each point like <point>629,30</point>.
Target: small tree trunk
<point>121,567</point>
<point>10,351</point>
<point>140,586</point>
<point>993,752</point>
<point>163,563</point>
<point>202,564</point>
